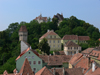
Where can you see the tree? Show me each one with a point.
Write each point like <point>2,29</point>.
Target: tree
<point>43,46</point>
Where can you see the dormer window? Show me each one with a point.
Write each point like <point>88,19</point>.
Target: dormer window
<point>54,36</point>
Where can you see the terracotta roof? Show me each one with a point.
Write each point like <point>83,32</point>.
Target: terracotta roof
<point>69,71</point>
<point>27,51</point>
<point>48,33</point>
<point>23,29</point>
<point>88,50</point>
<point>83,38</point>
<point>83,63</point>
<point>95,54</point>
<point>96,72</point>
<point>70,37</point>
<point>41,18</point>
<point>44,71</point>
<point>61,52</point>
<point>26,68</point>
<point>55,59</point>
<point>75,58</point>
<point>71,44</point>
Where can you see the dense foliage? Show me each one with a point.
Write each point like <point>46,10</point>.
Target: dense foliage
<point>10,45</point>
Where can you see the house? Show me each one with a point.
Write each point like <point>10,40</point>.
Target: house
<point>60,71</point>
<point>41,19</point>
<point>83,39</point>
<point>55,60</point>
<point>33,58</point>
<point>74,59</point>
<point>75,38</point>
<point>23,33</point>
<point>70,48</point>
<point>25,70</point>
<point>59,17</point>
<point>53,39</point>
<point>87,51</point>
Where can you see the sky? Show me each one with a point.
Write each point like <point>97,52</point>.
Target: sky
<point>12,11</point>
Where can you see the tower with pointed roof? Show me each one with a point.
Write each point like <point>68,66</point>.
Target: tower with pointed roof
<point>23,33</point>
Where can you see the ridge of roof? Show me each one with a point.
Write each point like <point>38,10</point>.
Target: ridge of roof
<point>70,43</point>
<point>27,51</point>
<point>48,33</point>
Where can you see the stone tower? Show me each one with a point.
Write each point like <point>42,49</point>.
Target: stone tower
<point>23,33</point>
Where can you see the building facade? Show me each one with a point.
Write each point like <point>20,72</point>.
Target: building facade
<point>71,48</point>
<point>35,62</point>
<point>41,19</point>
<point>54,40</point>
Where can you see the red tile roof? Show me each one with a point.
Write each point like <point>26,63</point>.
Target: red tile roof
<point>71,44</point>
<point>44,71</point>
<point>83,38</point>
<point>48,33</point>
<point>70,37</point>
<point>95,54</point>
<point>23,29</point>
<point>75,37</point>
<point>26,68</point>
<point>71,71</point>
<point>75,58</point>
<point>83,63</point>
<point>88,50</point>
<point>41,18</point>
<point>27,51</point>
<point>56,59</point>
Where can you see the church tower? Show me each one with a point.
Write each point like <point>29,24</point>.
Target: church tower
<point>23,33</point>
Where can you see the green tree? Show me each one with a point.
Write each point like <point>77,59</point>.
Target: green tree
<point>43,46</point>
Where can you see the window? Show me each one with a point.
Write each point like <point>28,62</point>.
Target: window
<point>53,45</point>
<point>58,45</point>
<point>54,36</point>
<point>58,41</point>
<point>32,57</point>
<point>34,69</point>
<point>74,52</point>
<point>39,62</point>
<point>29,52</point>
<point>34,62</point>
<point>30,62</point>
<point>25,56</point>
<point>29,57</point>
<point>49,41</point>
<point>54,41</point>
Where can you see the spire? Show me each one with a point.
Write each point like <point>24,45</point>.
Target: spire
<point>26,68</point>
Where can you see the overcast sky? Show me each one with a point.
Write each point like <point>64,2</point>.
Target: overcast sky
<point>12,11</point>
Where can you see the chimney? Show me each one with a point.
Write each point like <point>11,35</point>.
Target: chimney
<point>83,70</point>
<point>48,30</point>
<point>63,71</point>
<point>93,66</point>
<point>54,71</point>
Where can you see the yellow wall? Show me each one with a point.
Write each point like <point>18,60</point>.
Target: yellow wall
<point>64,41</point>
<point>54,42</point>
<point>70,66</point>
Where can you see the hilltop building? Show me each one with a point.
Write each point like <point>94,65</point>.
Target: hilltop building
<point>75,38</point>
<point>41,19</point>
<point>54,40</point>
<point>59,17</point>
